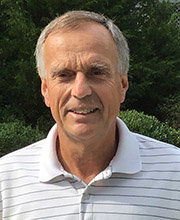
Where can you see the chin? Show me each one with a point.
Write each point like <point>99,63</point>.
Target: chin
<point>83,133</point>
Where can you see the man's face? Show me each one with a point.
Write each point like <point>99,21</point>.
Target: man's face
<point>83,87</point>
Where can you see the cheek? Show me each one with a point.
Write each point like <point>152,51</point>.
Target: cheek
<point>110,96</point>
<point>53,97</point>
<point>59,96</point>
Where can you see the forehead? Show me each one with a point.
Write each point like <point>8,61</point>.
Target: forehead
<point>90,39</point>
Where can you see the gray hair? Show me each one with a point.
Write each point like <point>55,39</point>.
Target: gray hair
<point>71,20</point>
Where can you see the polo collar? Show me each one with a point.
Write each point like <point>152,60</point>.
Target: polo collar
<point>50,167</point>
<point>127,159</point>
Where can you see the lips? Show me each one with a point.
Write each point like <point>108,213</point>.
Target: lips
<point>83,111</point>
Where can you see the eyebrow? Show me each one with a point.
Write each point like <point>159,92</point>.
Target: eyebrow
<point>102,66</point>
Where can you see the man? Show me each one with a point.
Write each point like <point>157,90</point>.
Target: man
<point>90,166</point>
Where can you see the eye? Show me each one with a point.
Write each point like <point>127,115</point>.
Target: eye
<point>97,72</point>
<point>63,75</point>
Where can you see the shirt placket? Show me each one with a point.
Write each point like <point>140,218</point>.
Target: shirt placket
<point>85,204</point>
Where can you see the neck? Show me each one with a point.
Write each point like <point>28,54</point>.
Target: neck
<point>86,159</point>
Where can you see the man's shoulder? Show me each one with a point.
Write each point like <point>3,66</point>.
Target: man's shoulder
<point>26,154</point>
<point>21,167</point>
<point>158,155</point>
<point>146,142</point>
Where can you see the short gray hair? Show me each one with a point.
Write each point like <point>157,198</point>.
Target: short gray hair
<point>71,20</point>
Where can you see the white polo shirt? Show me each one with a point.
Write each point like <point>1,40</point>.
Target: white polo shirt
<point>142,182</point>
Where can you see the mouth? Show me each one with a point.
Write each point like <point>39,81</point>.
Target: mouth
<point>84,111</point>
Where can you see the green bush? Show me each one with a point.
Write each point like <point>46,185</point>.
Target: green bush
<point>150,126</point>
<point>14,135</point>
<point>170,111</point>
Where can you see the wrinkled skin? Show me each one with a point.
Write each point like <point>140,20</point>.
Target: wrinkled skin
<point>83,87</point>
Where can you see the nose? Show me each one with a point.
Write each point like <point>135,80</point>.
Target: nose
<point>81,87</point>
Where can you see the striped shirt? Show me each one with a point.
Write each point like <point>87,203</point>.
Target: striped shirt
<point>142,182</point>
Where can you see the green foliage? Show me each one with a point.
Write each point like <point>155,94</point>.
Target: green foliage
<point>19,84</point>
<point>170,111</point>
<point>150,126</point>
<point>15,135</point>
<point>155,50</point>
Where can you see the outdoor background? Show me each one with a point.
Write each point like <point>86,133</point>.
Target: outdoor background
<point>152,106</point>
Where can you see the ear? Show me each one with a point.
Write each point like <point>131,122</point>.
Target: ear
<point>124,87</point>
<point>44,91</point>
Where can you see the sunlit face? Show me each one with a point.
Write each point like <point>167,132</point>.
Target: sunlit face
<point>83,87</point>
